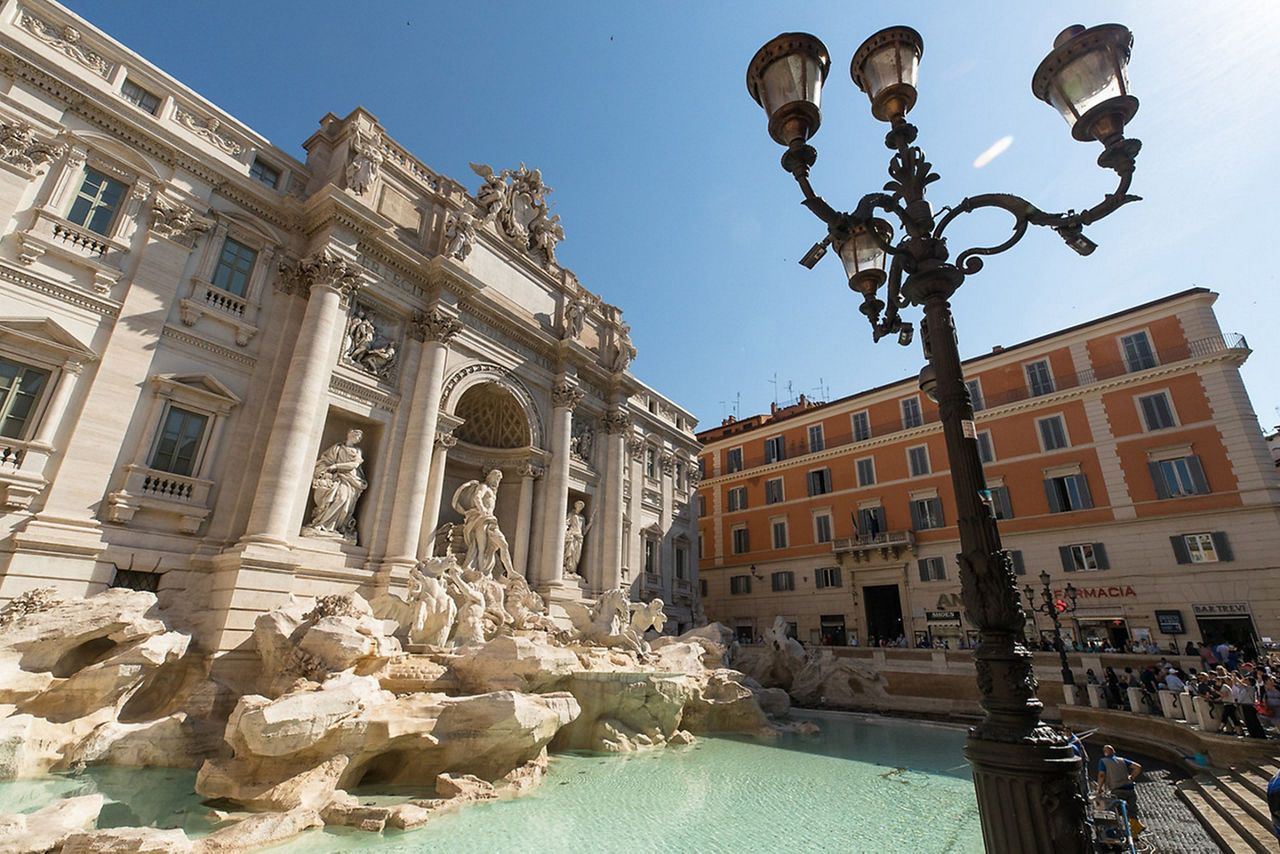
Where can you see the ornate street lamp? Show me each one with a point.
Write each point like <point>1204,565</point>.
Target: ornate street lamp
<point>1025,774</point>
<point>1054,608</point>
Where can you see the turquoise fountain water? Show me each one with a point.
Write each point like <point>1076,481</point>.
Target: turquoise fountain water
<point>863,784</point>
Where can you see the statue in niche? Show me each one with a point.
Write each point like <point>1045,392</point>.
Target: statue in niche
<point>460,231</point>
<point>581,444</point>
<point>337,485</point>
<point>433,609</point>
<point>360,333</point>
<point>575,314</point>
<point>486,546</point>
<point>364,166</point>
<point>624,351</point>
<point>576,527</point>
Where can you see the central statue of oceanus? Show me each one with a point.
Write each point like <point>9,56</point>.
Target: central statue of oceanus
<point>486,545</point>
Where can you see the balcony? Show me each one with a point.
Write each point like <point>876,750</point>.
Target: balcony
<point>21,472</point>
<point>52,235</point>
<point>208,300</point>
<point>682,590</point>
<point>185,499</point>
<point>887,545</point>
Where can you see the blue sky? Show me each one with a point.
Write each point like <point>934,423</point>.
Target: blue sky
<point>670,192</point>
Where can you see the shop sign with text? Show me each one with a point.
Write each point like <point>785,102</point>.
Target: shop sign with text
<point>1221,609</point>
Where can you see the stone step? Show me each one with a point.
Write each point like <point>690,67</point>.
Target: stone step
<point>1225,814</point>
<point>1242,792</point>
<point>1253,779</point>
<point>1222,833</point>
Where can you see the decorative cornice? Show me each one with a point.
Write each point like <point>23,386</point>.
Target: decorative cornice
<point>71,296</point>
<point>208,346</point>
<point>358,391</point>
<point>566,394</point>
<point>434,325</point>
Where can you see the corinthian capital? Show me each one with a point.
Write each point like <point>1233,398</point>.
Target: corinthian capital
<point>324,269</point>
<point>565,393</point>
<point>434,325</point>
<point>616,421</point>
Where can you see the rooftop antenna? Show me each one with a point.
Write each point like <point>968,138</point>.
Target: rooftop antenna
<point>774,381</point>
<point>791,397</point>
<point>822,392</point>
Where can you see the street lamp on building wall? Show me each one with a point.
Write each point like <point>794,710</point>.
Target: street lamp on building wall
<point>1025,774</point>
<point>1054,608</point>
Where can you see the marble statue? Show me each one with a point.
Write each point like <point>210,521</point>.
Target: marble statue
<point>337,485</point>
<point>647,616</point>
<point>576,527</point>
<point>527,609</point>
<point>468,630</point>
<point>379,360</point>
<point>433,608</point>
<point>486,546</point>
<point>492,194</point>
<point>544,234</point>
<point>625,351</point>
<point>363,167</point>
<point>360,333</point>
<point>460,231</point>
<point>581,443</point>
<point>496,615</point>
<point>575,314</point>
<point>775,637</point>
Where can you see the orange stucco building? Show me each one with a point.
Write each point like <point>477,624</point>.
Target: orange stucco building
<point>1122,455</point>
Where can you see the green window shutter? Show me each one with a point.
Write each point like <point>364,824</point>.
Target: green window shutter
<point>1197,474</point>
<point>916,522</point>
<point>1068,563</point>
<point>1083,483</point>
<point>1051,492</point>
<point>1100,555</point>
<point>1180,553</point>
<point>924,570</point>
<point>1157,479</point>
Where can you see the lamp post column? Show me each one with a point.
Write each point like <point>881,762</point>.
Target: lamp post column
<point>1025,777</point>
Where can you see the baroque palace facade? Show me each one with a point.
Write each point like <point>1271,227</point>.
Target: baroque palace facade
<point>232,377</point>
<point>1122,455</point>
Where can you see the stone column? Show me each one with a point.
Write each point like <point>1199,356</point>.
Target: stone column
<point>58,404</point>
<point>444,440</point>
<point>433,329</point>
<point>329,282</point>
<point>564,397</point>
<point>529,473</point>
<point>617,426</point>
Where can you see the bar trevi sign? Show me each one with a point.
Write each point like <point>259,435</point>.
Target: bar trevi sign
<point>1221,609</point>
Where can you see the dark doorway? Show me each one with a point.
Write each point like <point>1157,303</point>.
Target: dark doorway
<point>1237,631</point>
<point>884,612</point>
<point>833,630</point>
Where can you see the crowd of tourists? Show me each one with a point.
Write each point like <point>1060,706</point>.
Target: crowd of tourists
<point>1242,695</point>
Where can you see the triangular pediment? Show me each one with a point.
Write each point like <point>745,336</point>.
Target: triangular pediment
<point>204,385</point>
<point>42,334</point>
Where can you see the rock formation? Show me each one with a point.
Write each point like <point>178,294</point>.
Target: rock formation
<point>491,685</point>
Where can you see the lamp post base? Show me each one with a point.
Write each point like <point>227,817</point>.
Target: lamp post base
<point>1029,796</point>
